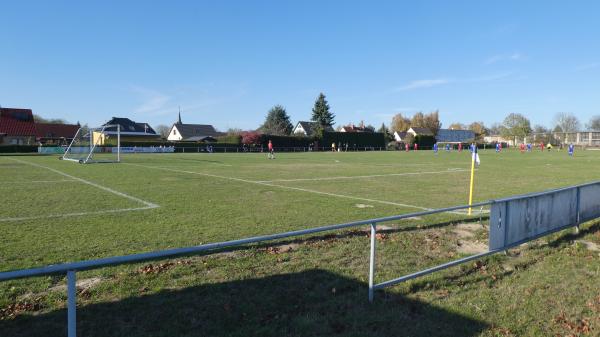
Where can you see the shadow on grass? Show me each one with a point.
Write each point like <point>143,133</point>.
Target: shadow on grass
<point>310,303</point>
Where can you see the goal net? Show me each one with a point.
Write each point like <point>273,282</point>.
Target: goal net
<point>95,145</point>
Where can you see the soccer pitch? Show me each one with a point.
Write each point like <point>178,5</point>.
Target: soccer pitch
<point>56,211</point>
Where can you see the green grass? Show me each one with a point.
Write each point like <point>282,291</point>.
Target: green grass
<point>313,285</point>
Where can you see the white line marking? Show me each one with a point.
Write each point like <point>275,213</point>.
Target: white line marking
<point>107,189</point>
<point>288,187</point>
<point>39,181</point>
<point>365,176</point>
<point>65,215</point>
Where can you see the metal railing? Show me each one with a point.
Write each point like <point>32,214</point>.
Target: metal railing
<point>70,269</point>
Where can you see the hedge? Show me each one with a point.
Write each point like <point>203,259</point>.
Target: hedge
<point>18,148</point>
<point>424,141</point>
<point>287,141</point>
<point>358,139</point>
<point>354,139</point>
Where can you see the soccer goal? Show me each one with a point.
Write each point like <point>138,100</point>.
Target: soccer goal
<point>95,145</point>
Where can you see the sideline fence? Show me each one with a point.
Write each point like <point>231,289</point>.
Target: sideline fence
<point>513,221</point>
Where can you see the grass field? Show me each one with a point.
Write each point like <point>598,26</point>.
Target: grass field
<point>55,211</point>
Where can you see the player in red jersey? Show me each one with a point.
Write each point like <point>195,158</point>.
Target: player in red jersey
<point>271,154</point>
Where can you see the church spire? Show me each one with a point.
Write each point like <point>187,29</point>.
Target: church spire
<point>179,120</point>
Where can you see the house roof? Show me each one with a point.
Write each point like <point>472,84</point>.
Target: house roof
<point>454,136</point>
<point>129,126</point>
<point>48,130</point>
<point>401,134</point>
<point>422,131</point>
<point>23,115</point>
<point>309,127</point>
<point>196,131</point>
<point>16,122</point>
<point>354,128</point>
<point>201,139</point>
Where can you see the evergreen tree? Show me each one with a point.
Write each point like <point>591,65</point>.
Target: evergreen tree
<point>321,113</point>
<point>383,129</point>
<point>277,122</point>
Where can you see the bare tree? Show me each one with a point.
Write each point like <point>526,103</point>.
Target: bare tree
<point>457,126</point>
<point>163,130</point>
<point>479,129</point>
<point>432,122</point>
<point>567,122</point>
<point>594,123</point>
<point>399,123</point>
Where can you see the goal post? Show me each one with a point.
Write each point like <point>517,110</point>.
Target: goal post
<point>95,145</point>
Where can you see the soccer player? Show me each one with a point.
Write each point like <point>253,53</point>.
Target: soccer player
<point>498,147</point>
<point>522,147</point>
<point>435,148</point>
<point>459,147</point>
<point>271,154</point>
<point>571,149</point>
<point>406,147</point>
<point>542,146</point>
<point>416,147</point>
<point>447,147</point>
<point>333,147</point>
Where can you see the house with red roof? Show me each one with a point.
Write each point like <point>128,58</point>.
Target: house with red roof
<point>16,127</point>
<point>56,134</point>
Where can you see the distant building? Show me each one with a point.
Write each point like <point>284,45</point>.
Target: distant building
<point>354,128</point>
<point>455,136</point>
<point>130,131</point>
<point>499,139</point>
<point>16,127</point>
<point>192,132</point>
<point>400,136</point>
<point>56,134</point>
<point>420,132</point>
<point>308,128</point>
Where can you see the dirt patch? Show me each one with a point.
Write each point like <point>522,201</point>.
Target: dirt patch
<point>14,309</point>
<point>471,247</point>
<point>86,283</point>
<point>161,267</point>
<point>282,248</point>
<point>590,245</point>
<point>467,244</point>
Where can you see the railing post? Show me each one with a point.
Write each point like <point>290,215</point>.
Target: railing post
<point>71,304</point>
<point>577,208</point>
<point>372,260</point>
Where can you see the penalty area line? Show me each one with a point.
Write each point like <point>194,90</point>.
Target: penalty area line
<point>38,182</point>
<point>291,188</point>
<point>87,182</point>
<point>66,215</point>
<point>364,176</point>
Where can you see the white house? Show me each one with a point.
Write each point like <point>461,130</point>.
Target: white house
<point>308,128</point>
<point>191,132</point>
<point>400,136</point>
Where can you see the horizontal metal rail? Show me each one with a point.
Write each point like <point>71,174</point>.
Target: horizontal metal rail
<point>70,269</point>
<point>133,258</point>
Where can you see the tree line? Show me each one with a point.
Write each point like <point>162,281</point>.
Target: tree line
<point>513,125</point>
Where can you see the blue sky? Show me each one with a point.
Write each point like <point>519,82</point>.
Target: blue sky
<point>226,63</point>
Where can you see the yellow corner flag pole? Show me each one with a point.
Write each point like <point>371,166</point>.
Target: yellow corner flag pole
<point>472,178</point>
